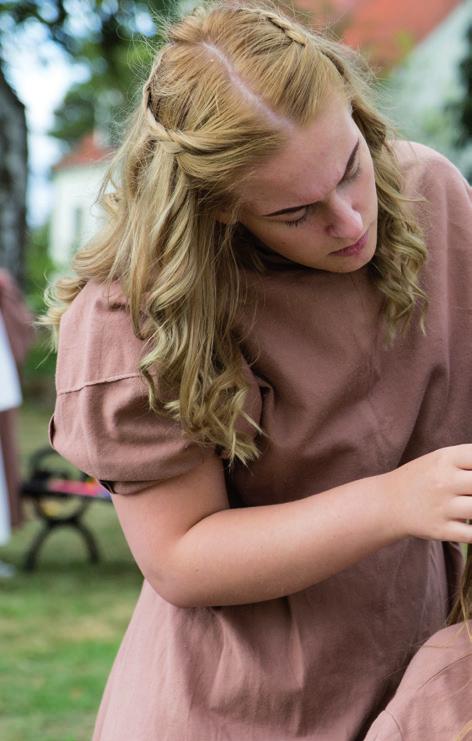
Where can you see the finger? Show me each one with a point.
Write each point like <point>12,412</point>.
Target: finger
<point>461,455</point>
<point>460,508</point>
<point>459,532</point>
<point>461,482</point>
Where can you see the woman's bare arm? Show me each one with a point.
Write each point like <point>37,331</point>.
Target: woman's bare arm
<point>195,551</point>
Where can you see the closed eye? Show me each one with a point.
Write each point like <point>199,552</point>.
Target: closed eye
<point>353,175</point>
<point>298,222</point>
<point>313,206</point>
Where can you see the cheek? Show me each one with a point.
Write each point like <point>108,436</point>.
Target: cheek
<point>286,240</point>
<point>278,236</point>
<point>273,233</point>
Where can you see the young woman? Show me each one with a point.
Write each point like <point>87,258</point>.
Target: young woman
<point>247,361</point>
<point>434,699</point>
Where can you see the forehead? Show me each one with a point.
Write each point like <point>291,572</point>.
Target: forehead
<point>309,166</point>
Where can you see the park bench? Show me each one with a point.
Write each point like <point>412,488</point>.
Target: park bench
<point>60,497</point>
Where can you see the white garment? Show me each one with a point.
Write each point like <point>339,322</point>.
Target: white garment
<point>10,391</point>
<point>10,397</point>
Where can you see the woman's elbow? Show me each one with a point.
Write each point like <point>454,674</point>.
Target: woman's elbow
<point>176,590</point>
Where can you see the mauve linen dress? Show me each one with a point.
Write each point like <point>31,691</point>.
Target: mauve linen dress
<point>337,405</point>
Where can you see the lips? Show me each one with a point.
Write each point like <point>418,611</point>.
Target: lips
<point>353,249</point>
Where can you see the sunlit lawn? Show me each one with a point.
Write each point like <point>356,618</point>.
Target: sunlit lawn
<point>61,625</point>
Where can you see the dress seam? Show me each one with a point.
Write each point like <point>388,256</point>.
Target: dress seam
<point>97,382</point>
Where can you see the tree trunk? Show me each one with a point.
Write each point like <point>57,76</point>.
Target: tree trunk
<point>13,176</point>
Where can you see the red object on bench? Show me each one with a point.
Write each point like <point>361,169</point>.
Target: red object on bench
<point>90,488</point>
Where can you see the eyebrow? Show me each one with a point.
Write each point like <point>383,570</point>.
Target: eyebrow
<point>305,205</point>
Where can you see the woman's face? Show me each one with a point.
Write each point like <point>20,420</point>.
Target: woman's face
<point>315,202</point>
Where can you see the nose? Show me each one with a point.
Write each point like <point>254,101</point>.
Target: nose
<point>344,221</point>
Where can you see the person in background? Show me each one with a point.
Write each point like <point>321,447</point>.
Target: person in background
<point>16,336</point>
<point>434,698</point>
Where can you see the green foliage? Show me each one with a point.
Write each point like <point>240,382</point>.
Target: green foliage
<point>38,267</point>
<point>103,101</point>
<point>75,115</point>
<point>464,107</point>
<point>110,38</point>
<point>88,29</point>
<point>38,369</point>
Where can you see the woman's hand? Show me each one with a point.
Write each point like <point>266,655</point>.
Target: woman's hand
<point>431,496</point>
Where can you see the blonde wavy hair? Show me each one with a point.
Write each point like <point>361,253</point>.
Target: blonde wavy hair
<point>462,609</point>
<point>222,89</point>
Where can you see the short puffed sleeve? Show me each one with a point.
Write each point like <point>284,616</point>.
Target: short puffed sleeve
<point>102,422</point>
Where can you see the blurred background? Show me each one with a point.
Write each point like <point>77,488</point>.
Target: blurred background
<point>69,73</point>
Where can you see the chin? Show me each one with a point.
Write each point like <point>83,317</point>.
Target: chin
<point>345,269</point>
<point>345,264</point>
<point>349,264</point>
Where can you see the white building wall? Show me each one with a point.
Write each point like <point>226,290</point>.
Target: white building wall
<point>75,215</point>
<point>418,92</point>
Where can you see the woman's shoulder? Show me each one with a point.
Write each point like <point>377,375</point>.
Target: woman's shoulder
<point>424,168</point>
<point>102,422</point>
<point>97,342</point>
<point>92,303</point>
<point>414,154</point>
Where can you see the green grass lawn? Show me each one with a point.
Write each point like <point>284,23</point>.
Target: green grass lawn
<point>61,625</point>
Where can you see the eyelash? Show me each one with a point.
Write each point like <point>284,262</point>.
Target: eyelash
<point>309,209</point>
